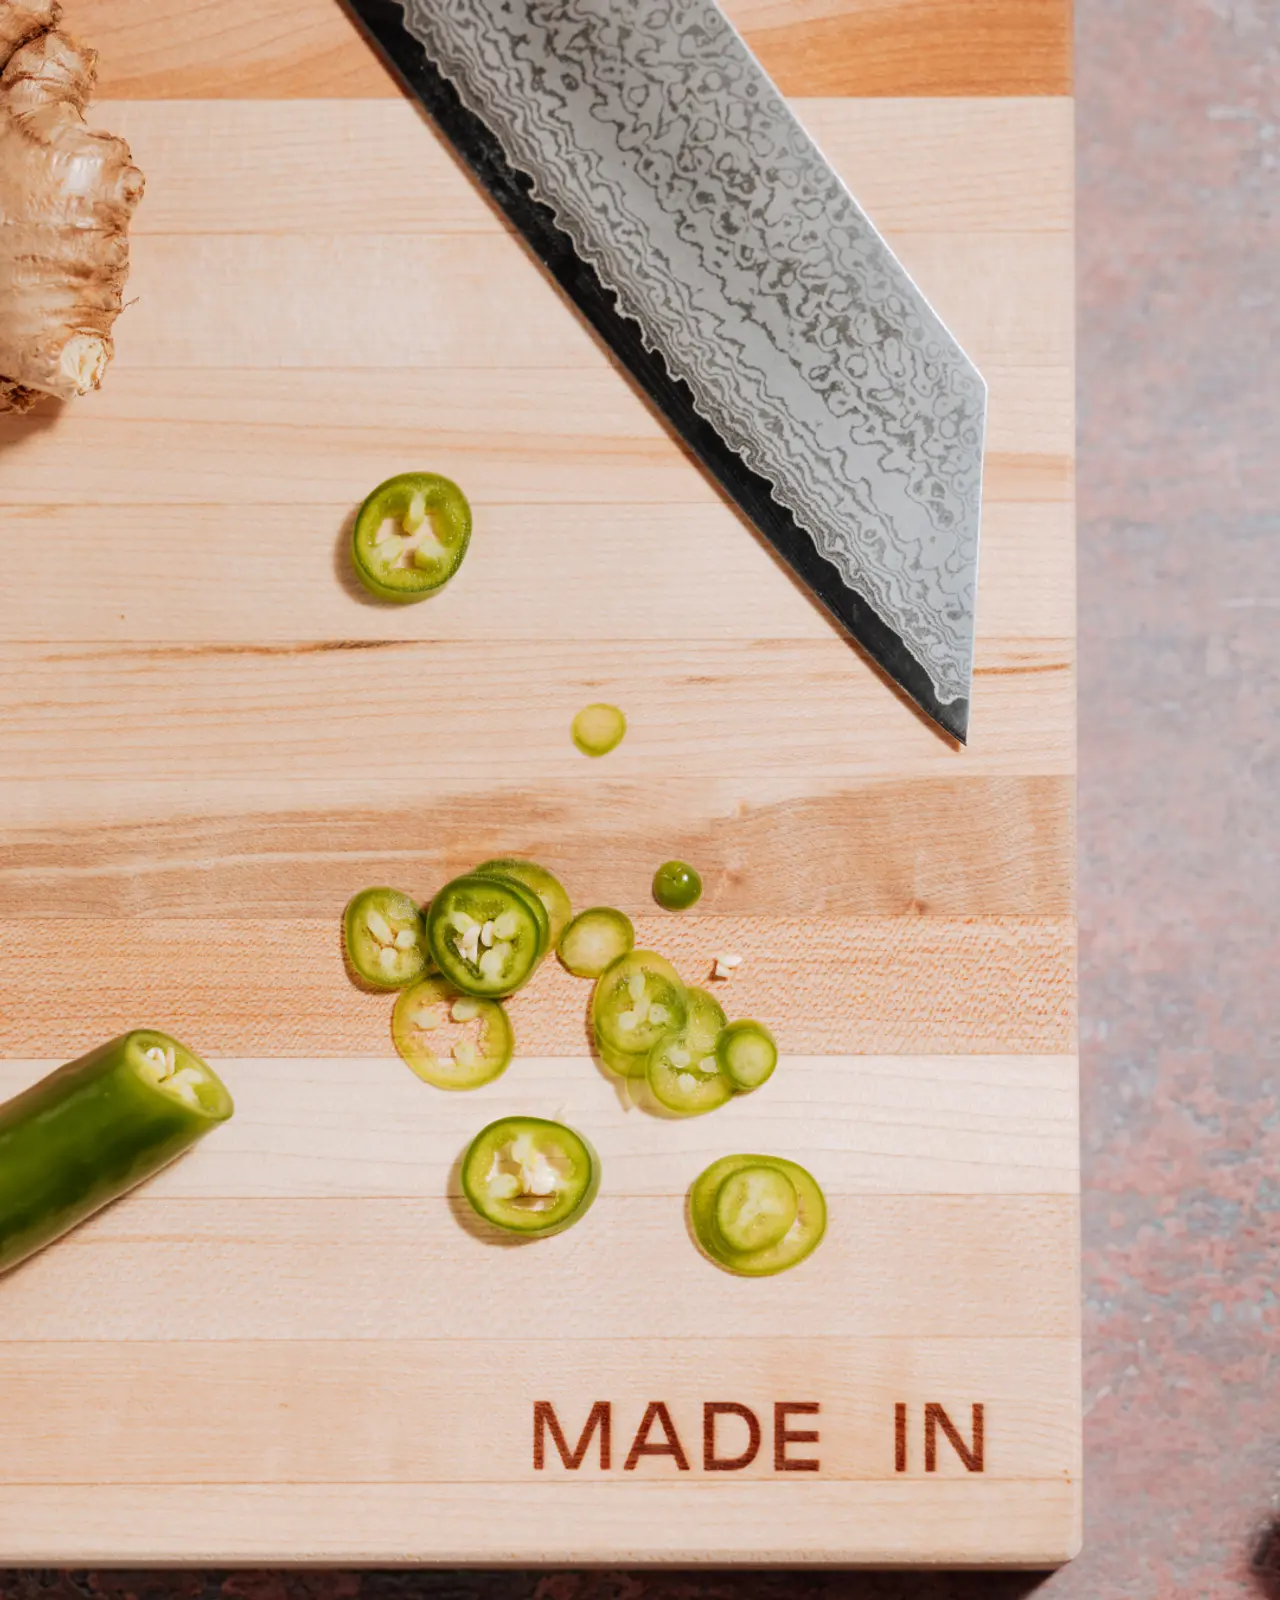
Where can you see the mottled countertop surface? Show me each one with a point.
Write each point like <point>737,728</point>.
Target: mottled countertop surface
<point>1179,159</point>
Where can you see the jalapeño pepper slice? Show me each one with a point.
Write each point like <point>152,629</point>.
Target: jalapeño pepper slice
<point>548,888</point>
<point>626,1063</point>
<point>598,728</point>
<point>706,1018</point>
<point>755,1208</point>
<point>385,938</point>
<point>485,935</point>
<point>536,904</point>
<point>410,536</point>
<point>451,1040</point>
<point>94,1129</point>
<point>741,1201</point>
<point>595,939</point>
<point>637,1000</point>
<point>529,1176</point>
<point>747,1054</point>
<point>684,1075</point>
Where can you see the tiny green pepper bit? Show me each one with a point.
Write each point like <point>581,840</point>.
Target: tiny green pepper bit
<point>94,1129</point>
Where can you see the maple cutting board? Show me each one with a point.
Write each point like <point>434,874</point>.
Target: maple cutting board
<point>294,1346</point>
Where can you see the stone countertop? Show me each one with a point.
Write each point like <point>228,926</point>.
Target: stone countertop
<point>1179,162</point>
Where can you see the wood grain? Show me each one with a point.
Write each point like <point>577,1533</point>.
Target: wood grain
<point>229,167</point>
<point>953,846</point>
<point>957,1125</point>
<point>1033,1524</point>
<point>925,1266</point>
<point>445,301</point>
<point>283,49</point>
<point>593,571</point>
<point>916,47</point>
<point>696,709</point>
<point>558,437</point>
<point>825,985</point>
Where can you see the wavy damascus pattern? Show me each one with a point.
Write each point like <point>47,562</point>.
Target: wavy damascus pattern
<point>685,182</point>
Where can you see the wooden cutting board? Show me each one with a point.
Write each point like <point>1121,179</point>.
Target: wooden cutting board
<point>291,1346</point>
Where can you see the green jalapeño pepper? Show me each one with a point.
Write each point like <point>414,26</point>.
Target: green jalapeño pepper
<point>682,1071</point>
<point>385,938</point>
<point>544,884</point>
<point>529,1176</point>
<point>757,1215</point>
<point>706,1019</point>
<point>595,939</point>
<point>534,901</point>
<point>676,886</point>
<point>486,935</point>
<point>637,1000</point>
<point>410,536</point>
<point>450,1040</point>
<point>747,1054</point>
<point>95,1128</point>
<point>684,1075</point>
<point>598,728</point>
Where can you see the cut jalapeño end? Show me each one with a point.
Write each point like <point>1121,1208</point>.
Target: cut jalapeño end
<point>598,728</point>
<point>450,1040</point>
<point>706,1019</point>
<point>676,886</point>
<point>529,1176</point>
<point>801,1238</point>
<point>544,884</point>
<point>637,1000</point>
<point>595,939</point>
<point>485,935</point>
<point>626,1063</point>
<point>170,1068</point>
<point>685,1076</point>
<point>385,938</point>
<point>410,536</point>
<point>535,903</point>
<point>747,1054</point>
<point>755,1208</point>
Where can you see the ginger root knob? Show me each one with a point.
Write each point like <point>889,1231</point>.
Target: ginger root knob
<point>66,198</point>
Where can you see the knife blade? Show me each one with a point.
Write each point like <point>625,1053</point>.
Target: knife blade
<point>664,183</point>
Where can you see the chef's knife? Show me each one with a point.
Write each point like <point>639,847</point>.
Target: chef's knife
<point>662,180</point>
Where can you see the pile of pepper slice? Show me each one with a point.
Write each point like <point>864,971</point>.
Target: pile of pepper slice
<point>480,940</point>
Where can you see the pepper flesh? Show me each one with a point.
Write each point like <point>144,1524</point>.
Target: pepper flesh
<point>96,1128</point>
<point>431,1017</point>
<point>747,1053</point>
<point>595,939</point>
<point>802,1237</point>
<point>529,1176</point>
<point>410,536</point>
<point>536,903</point>
<point>597,729</point>
<point>637,1000</point>
<point>544,884</point>
<point>684,1076</point>
<point>486,935</point>
<point>385,938</point>
<point>677,886</point>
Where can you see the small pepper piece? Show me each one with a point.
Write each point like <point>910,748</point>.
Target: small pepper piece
<point>598,728</point>
<point>94,1129</point>
<point>677,886</point>
<point>410,536</point>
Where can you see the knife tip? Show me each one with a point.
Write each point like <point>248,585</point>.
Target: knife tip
<point>952,719</point>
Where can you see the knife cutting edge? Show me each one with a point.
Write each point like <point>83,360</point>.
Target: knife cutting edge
<point>664,183</point>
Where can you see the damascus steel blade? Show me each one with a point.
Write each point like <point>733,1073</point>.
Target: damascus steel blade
<point>662,179</point>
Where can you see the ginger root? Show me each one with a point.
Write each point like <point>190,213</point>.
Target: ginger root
<point>66,198</point>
